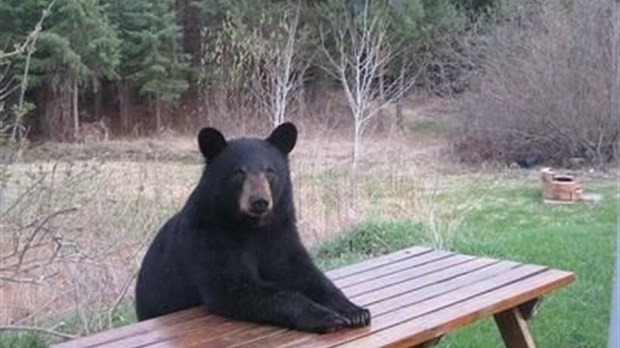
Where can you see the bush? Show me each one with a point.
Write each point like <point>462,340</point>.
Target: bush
<point>369,239</point>
<point>545,92</point>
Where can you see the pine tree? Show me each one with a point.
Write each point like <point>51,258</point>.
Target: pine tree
<point>21,24</point>
<point>77,50</point>
<point>152,59</point>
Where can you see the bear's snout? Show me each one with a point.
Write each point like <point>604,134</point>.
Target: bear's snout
<point>259,205</point>
<point>255,199</point>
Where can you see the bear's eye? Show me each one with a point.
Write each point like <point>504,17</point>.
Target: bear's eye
<point>270,172</point>
<point>240,173</point>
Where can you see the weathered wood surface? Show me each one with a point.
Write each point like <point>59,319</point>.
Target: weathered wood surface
<point>415,295</point>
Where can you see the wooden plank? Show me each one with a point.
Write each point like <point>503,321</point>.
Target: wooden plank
<point>288,338</point>
<point>144,329</point>
<point>416,261</point>
<point>133,329</point>
<point>414,295</point>
<point>423,328</point>
<point>383,281</point>
<point>427,293</point>
<point>208,325</point>
<point>443,277</point>
<point>246,332</point>
<point>513,328</point>
<point>234,338</point>
<point>154,324</point>
<point>411,307</point>
<point>405,307</point>
<point>435,300</point>
<point>376,262</point>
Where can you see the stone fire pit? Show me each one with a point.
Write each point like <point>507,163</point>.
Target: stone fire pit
<point>560,188</point>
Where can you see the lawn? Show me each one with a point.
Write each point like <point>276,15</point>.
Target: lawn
<point>513,223</point>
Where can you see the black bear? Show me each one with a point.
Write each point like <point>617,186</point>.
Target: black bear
<point>234,247</point>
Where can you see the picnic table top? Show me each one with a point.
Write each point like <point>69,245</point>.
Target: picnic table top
<point>414,295</point>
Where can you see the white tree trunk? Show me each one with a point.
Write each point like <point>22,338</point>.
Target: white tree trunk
<point>157,113</point>
<point>284,81</point>
<point>357,145</point>
<point>357,55</point>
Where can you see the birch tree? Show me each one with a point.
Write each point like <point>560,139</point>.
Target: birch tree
<point>357,50</point>
<point>273,39</point>
<point>284,69</point>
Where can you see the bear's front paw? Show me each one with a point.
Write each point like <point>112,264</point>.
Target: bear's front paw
<point>324,322</point>
<point>357,316</point>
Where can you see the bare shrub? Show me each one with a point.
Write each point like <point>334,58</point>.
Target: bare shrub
<point>361,53</point>
<point>72,238</point>
<point>546,87</point>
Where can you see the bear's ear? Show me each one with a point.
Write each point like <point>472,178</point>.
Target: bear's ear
<point>284,137</point>
<point>211,143</point>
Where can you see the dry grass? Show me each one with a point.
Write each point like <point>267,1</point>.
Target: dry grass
<point>74,231</point>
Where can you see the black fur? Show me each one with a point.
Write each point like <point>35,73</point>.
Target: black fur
<point>212,254</point>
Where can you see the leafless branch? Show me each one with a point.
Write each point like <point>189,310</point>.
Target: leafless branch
<point>282,66</point>
<point>361,51</point>
<point>32,37</point>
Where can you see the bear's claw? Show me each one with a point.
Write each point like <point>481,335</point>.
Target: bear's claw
<point>358,317</point>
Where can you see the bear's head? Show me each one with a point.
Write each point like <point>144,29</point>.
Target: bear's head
<point>249,178</point>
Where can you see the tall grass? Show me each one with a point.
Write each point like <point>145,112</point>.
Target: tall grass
<point>74,231</point>
<point>73,234</point>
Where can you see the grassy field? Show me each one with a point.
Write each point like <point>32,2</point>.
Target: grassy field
<point>513,223</point>
<point>100,209</point>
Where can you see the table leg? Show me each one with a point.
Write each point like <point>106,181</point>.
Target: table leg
<point>428,343</point>
<point>529,308</point>
<point>513,327</point>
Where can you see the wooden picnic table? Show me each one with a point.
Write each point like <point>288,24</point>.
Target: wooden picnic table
<point>415,296</point>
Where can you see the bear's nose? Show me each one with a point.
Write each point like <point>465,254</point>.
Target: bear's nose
<point>259,205</point>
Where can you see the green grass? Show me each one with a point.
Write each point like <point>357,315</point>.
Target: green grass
<point>366,240</point>
<point>514,224</point>
<point>21,340</point>
<point>511,223</point>
<point>123,315</point>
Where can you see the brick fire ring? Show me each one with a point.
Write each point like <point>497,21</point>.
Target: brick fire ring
<point>560,189</point>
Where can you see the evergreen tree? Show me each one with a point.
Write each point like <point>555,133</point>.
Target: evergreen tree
<point>152,58</point>
<point>77,50</point>
<point>20,32</point>
<point>17,19</point>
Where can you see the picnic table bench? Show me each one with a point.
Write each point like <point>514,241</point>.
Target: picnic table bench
<point>415,296</point>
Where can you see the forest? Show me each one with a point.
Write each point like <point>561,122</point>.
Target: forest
<point>71,68</point>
